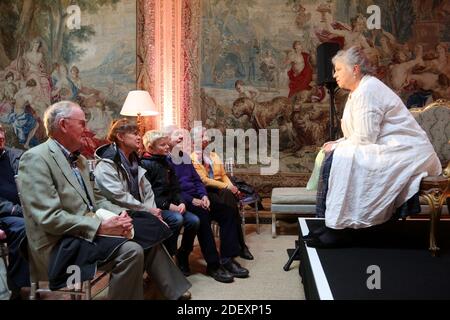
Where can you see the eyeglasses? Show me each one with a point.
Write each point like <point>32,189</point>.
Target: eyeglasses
<point>80,121</point>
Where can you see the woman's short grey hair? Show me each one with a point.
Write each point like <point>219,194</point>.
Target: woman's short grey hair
<point>169,129</point>
<point>197,131</point>
<point>354,56</point>
<point>151,137</point>
<point>56,112</point>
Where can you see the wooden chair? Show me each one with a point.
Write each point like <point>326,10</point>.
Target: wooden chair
<point>4,291</point>
<point>81,290</point>
<point>435,190</point>
<point>4,251</point>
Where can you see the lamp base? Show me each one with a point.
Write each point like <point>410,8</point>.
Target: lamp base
<point>140,124</point>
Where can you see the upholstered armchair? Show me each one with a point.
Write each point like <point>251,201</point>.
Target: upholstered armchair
<point>435,190</point>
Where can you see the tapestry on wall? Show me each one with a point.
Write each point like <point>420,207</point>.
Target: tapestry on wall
<point>44,59</point>
<point>258,67</point>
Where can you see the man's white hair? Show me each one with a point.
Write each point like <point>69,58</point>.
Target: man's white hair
<point>56,112</point>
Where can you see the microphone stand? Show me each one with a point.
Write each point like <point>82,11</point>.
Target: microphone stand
<point>333,130</point>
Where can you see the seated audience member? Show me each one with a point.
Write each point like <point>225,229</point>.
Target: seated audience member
<point>195,197</point>
<point>120,179</point>
<point>118,175</point>
<point>377,166</point>
<point>167,197</point>
<point>11,218</point>
<point>220,188</point>
<point>59,204</point>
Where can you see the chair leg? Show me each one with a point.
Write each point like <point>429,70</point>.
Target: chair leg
<point>87,290</point>
<point>242,212</point>
<point>33,290</point>
<point>274,225</point>
<point>257,218</point>
<point>435,217</point>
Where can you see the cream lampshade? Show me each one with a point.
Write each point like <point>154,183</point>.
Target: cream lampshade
<point>139,104</point>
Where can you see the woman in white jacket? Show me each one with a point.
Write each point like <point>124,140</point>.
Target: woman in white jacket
<point>378,165</point>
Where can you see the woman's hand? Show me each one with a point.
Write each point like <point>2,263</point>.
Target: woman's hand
<point>205,203</point>
<point>157,213</point>
<point>328,146</point>
<point>181,208</point>
<point>197,202</point>
<point>233,189</point>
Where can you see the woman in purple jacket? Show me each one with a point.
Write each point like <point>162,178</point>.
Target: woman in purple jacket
<point>194,195</point>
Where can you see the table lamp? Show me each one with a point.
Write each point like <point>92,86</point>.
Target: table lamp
<point>139,104</point>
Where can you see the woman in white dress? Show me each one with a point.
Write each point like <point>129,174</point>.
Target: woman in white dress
<point>378,165</point>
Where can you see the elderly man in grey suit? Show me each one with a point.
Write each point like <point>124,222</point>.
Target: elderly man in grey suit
<point>58,203</point>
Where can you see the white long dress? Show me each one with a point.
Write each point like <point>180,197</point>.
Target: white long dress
<point>379,163</point>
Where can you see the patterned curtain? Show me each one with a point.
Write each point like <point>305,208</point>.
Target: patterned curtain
<point>168,38</point>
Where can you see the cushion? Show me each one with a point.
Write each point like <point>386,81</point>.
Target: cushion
<point>293,196</point>
<point>293,208</point>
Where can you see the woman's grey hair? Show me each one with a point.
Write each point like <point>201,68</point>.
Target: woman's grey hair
<point>56,112</point>
<point>354,56</point>
<point>169,129</point>
<point>197,131</point>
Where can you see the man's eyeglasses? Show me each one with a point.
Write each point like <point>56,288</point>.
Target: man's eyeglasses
<point>80,121</point>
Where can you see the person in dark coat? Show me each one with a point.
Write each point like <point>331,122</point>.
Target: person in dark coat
<point>11,217</point>
<point>222,268</point>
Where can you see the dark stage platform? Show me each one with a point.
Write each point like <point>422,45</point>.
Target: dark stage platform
<point>396,260</point>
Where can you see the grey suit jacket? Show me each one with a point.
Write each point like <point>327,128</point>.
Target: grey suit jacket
<point>54,203</point>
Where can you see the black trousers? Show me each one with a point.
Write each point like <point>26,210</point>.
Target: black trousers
<point>322,188</point>
<point>229,243</point>
<point>224,200</point>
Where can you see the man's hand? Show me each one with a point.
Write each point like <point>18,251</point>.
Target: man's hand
<point>116,226</point>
